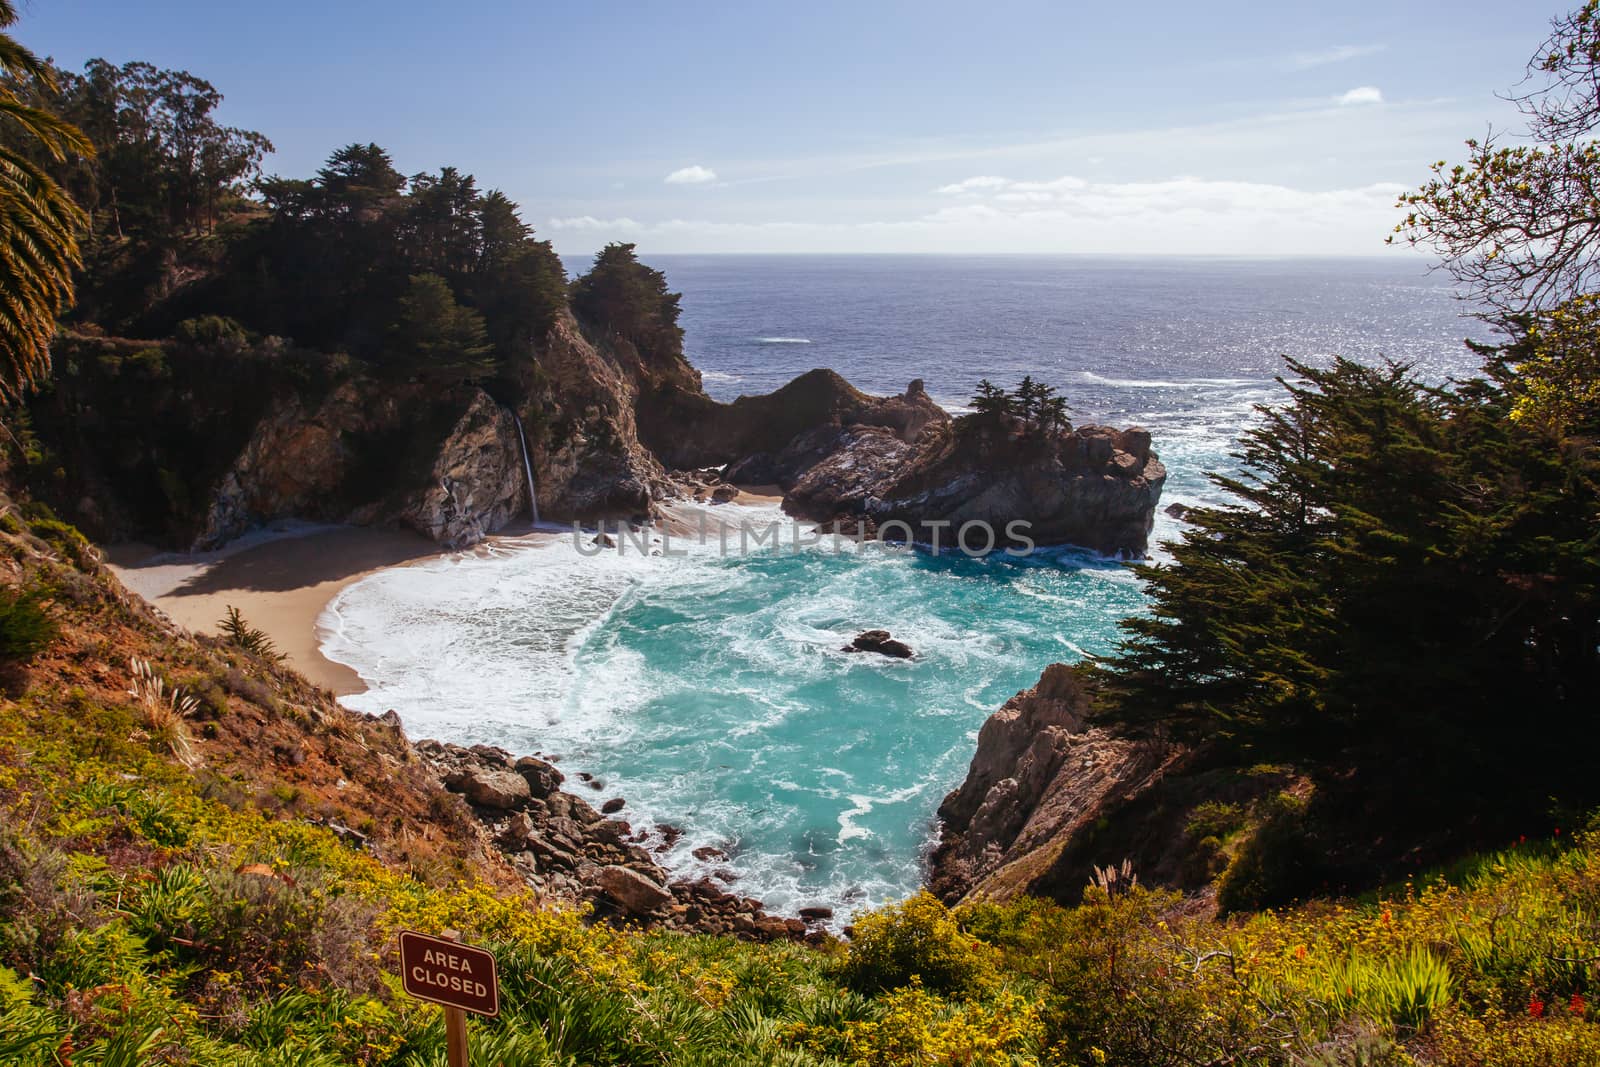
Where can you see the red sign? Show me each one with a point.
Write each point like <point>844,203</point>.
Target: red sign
<point>449,973</point>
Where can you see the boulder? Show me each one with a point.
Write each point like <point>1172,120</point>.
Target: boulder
<point>612,806</point>
<point>517,833</point>
<point>881,642</point>
<point>816,914</point>
<point>1135,441</point>
<point>632,891</point>
<point>542,778</point>
<point>724,494</point>
<point>490,788</point>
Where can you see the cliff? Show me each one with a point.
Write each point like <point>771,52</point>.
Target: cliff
<point>757,432</point>
<point>191,444</point>
<point>450,464</point>
<point>1053,792</point>
<point>838,453</point>
<point>1041,783</point>
<point>1094,487</point>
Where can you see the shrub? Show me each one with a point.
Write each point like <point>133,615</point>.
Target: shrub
<point>245,687</point>
<point>166,711</point>
<point>1275,864</point>
<point>212,331</point>
<point>243,635</point>
<point>1495,1040</point>
<point>26,628</point>
<point>918,939</point>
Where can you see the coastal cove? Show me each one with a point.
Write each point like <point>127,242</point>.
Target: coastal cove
<point>641,549</point>
<point>708,692</point>
<point>711,693</point>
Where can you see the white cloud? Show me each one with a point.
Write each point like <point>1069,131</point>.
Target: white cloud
<point>1337,54</point>
<point>589,223</point>
<point>1362,94</point>
<point>981,184</point>
<point>1185,215</point>
<point>695,175</point>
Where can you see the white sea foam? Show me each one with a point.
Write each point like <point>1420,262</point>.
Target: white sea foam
<point>783,340</point>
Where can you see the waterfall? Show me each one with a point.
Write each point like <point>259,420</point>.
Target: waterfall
<point>527,465</point>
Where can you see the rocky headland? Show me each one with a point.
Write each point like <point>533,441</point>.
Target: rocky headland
<point>1055,794</point>
<point>606,430</point>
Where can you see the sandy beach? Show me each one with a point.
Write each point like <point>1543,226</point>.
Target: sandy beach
<point>280,585</point>
<point>281,580</point>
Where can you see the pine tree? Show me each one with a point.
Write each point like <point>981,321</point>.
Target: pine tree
<point>436,338</point>
<point>1404,567</point>
<point>1027,401</point>
<point>1054,415</point>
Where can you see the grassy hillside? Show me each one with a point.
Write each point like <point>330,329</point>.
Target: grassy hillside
<point>212,870</point>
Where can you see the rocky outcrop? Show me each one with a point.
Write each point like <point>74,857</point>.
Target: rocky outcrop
<point>1095,487</point>
<point>1042,784</point>
<point>583,426</point>
<point>565,849</point>
<point>880,642</point>
<point>449,463</point>
<point>478,480</point>
<point>761,435</point>
<point>446,465</point>
<point>840,455</point>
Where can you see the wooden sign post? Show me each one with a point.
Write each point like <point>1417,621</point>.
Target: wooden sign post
<point>459,977</point>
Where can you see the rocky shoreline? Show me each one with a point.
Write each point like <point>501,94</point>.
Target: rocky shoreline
<point>566,850</point>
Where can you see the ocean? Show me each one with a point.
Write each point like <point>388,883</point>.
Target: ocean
<point>709,689</point>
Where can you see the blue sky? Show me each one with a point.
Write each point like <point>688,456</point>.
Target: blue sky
<point>871,126</point>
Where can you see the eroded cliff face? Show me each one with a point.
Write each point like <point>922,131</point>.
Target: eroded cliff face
<point>449,464</point>
<point>1095,487</point>
<point>583,428</point>
<point>193,458</point>
<point>1043,784</point>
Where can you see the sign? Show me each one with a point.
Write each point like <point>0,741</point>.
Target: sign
<point>448,973</point>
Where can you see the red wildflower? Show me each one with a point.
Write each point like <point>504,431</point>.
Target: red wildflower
<point>1536,1008</point>
<point>1577,1005</point>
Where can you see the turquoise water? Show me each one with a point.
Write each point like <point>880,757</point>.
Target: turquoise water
<point>710,692</point>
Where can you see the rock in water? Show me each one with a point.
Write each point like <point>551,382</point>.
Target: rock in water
<point>632,891</point>
<point>881,642</point>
